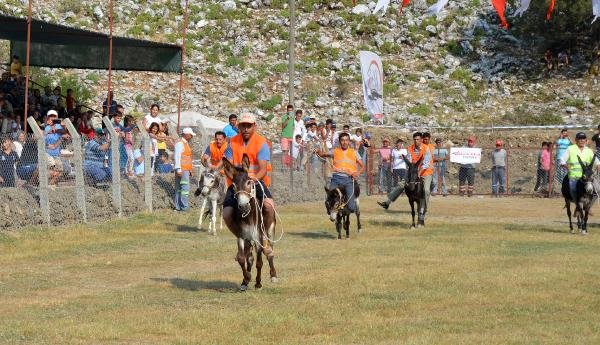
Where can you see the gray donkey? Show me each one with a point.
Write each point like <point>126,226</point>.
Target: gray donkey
<point>212,188</point>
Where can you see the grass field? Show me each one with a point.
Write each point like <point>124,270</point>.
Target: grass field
<point>484,271</point>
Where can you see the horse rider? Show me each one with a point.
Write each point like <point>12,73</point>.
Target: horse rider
<point>415,151</point>
<point>347,166</point>
<point>213,156</point>
<point>569,161</point>
<point>183,169</point>
<point>256,147</point>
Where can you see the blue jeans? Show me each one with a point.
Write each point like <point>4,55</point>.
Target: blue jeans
<point>573,188</point>
<point>439,178</point>
<point>96,172</point>
<point>182,191</point>
<point>385,175</point>
<point>498,180</point>
<point>347,184</point>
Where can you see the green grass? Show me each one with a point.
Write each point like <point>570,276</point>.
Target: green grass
<point>574,102</point>
<point>421,110</point>
<point>505,272</point>
<point>271,103</point>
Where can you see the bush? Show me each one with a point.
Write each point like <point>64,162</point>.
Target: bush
<point>390,89</point>
<point>249,83</point>
<point>461,74</point>
<point>454,48</point>
<point>250,96</point>
<point>421,110</point>
<point>280,68</point>
<point>574,102</point>
<point>523,117</point>
<point>271,103</point>
<point>234,61</point>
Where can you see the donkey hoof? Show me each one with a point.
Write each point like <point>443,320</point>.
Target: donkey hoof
<point>258,286</point>
<point>412,227</point>
<point>359,230</point>
<point>584,232</point>
<point>274,280</point>
<point>243,287</point>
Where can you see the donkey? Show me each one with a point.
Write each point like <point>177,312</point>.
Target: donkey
<point>585,195</point>
<point>250,223</point>
<point>414,190</point>
<point>338,212</point>
<point>212,188</point>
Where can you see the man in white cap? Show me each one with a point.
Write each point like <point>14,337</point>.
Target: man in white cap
<point>183,169</point>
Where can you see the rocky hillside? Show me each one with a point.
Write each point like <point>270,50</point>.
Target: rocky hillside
<point>456,69</point>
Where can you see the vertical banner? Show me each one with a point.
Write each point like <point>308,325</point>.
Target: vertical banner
<point>372,77</point>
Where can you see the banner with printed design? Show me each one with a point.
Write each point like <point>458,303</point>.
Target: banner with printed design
<point>372,78</point>
<point>465,155</point>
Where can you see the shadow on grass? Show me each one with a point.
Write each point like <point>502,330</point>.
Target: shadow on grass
<point>185,228</point>
<point>196,285</point>
<point>534,228</point>
<point>314,234</point>
<point>390,223</point>
<point>397,211</point>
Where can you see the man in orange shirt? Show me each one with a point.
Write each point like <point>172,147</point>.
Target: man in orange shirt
<point>213,156</point>
<point>183,169</point>
<point>427,143</point>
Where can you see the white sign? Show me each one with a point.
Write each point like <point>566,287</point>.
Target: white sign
<point>465,155</point>
<point>372,77</point>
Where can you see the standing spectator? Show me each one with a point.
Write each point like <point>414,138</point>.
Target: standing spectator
<point>499,169</point>
<point>287,134</point>
<point>299,127</point>
<point>152,117</point>
<point>562,144</point>
<point>96,164</point>
<point>385,166</point>
<point>16,67</point>
<point>543,170</point>
<point>128,144</point>
<point>231,129</point>
<point>298,153</point>
<point>440,156</point>
<point>183,168</point>
<point>70,101</point>
<point>55,97</point>
<point>427,143</point>
<point>27,165</point>
<point>8,160</point>
<point>398,163</point>
<point>113,105</point>
<point>153,132</point>
<point>466,174</point>
<point>596,140</point>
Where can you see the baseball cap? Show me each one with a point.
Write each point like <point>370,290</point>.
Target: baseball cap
<point>499,143</point>
<point>247,118</point>
<point>52,113</point>
<point>188,130</point>
<point>580,135</point>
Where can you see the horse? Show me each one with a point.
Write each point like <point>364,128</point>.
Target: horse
<point>585,196</point>
<point>335,204</point>
<point>414,190</point>
<point>211,187</point>
<point>250,224</point>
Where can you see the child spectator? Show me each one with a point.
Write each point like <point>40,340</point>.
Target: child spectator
<point>128,144</point>
<point>298,152</point>
<point>164,165</point>
<point>398,163</point>
<point>543,169</point>
<point>70,100</point>
<point>153,132</point>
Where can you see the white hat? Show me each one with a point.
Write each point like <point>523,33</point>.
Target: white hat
<point>247,118</point>
<point>188,130</point>
<point>52,112</point>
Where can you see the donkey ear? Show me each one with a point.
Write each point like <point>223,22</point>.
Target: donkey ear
<point>246,162</point>
<point>229,169</point>
<point>326,190</point>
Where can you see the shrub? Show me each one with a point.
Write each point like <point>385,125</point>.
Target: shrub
<point>271,103</point>
<point>574,102</point>
<point>250,96</point>
<point>249,83</point>
<point>421,110</point>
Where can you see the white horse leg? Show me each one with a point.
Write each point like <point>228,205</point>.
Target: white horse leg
<point>201,213</point>
<point>221,216</point>
<point>213,216</point>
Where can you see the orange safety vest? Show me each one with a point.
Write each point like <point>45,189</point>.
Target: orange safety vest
<point>251,149</point>
<point>415,158</point>
<point>344,161</point>
<point>216,153</point>
<point>186,157</point>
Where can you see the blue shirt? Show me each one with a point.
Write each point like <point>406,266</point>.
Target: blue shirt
<point>230,131</point>
<point>263,155</point>
<point>93,153</point>
<point>51,139</point>
<point>164,168</point>
<point>562,144</point>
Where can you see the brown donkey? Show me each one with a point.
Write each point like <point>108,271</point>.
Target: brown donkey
<point>251,223</point>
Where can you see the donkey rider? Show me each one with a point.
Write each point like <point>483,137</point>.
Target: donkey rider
<point>255,146</point>
<point>570,161</point>
<point>347,166</point>
<point>416,151</point>
<point>213,156</point>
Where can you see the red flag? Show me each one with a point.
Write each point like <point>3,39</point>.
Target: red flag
<point>404,4</point>
<point>550,10</point>
<point>500,6</point>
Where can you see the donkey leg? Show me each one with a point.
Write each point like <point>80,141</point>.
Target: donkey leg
<point>259,264</point>
<point>221,221</point>
<point>213,219</point>
<point>241,259</point>
<point>249,257</point>
<point>201,213</point>
<point>586,213</point>
<point>347,225</point>
<point>338,226</point>
<point>358,216</point>
<point>568,206</point>
<point>412,212</point>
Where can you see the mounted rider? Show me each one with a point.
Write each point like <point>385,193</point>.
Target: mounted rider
<point>347,166</point>
<point>256,147</point>
<point>570,161</point>
<point>213,156</point>
<point>416,151</point>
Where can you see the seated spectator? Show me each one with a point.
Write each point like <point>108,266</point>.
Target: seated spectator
<point>55,97</point>
<point>138,163</point>
<point>27,164</point>
<point>16,67</point>
<point>61,109</point>
<point>84,126</point>
<point>113,105</point>
<point>8,160</point>
<point>96,164</point>
<point>54,136</point>
<point>46,100</point>
<point>164,165</point>
<point>18,144</point>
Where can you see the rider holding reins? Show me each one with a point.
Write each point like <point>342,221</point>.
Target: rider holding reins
<point>570,161</point>
<point>347,166</point>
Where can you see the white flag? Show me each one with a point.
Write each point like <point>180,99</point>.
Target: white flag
<point>372,77</point>
<point>381,5</point>
<point>595,9</point>
<point>522,8</point>
<point>437,7</point>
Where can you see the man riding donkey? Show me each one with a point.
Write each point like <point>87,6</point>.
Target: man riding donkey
<point>247,163</point>
<point>347,166</point>
<point>417,152</point>
<point>574,157</point>
<point>213,156</point>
